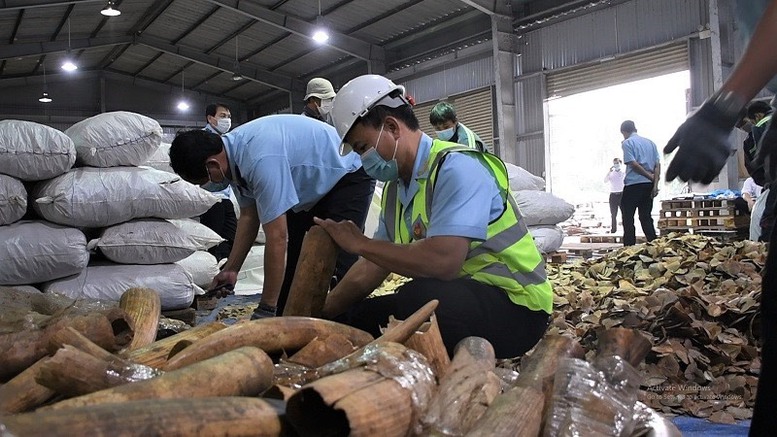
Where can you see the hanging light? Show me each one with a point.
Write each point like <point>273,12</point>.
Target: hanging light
<point>68,65</point>
<point>183,105</point>
<point>44,98</point>
<point>237,76</point>
<point>320,35</point>
<point>110,10</point>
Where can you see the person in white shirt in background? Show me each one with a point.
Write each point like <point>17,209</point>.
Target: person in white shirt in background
<point>220,218</point>
<point>615,179</point>
<point>752,192</point>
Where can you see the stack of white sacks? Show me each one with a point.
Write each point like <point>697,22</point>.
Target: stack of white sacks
<point>541,211</point>
<point>108,197</point>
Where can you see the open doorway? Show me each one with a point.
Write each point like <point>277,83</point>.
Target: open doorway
<point>584,134</point>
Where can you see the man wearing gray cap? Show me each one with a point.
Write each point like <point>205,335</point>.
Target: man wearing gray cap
<point>318,99</point>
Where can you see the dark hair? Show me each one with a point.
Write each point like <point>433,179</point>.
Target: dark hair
<point>628,127</point>
<point>190,150</point>
<point>441,113</point>
<point>758,107</point>
<point>404,113</point>
<point>213,107</point>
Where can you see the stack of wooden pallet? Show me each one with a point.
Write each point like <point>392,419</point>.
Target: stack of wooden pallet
<point>713,217</point>
<point>608,238</point>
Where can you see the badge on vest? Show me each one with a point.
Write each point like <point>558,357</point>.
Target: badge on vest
<point>419,229</point>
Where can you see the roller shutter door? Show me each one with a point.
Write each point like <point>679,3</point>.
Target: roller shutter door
<point>628,68</point>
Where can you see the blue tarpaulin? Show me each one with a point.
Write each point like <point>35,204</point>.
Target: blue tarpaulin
<point>695,427</point>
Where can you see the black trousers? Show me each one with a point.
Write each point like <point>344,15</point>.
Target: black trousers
<point>764,419</point>
<point>350,200</point>
<point>222,220</point>
<point>637,197</point>
<point>615,202</point>
<point>466,308</point>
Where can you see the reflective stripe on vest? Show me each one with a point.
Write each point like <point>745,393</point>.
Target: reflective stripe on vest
<point>507,259</point>
<point>472,141</point>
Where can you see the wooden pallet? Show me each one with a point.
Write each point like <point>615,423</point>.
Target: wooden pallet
<point>696,204</point>
<point>589,250</point>
<point>700,213</point>
<point>608,238</point>
<point>722,223</point>
<point>725,235</point>
<point>556,257</point>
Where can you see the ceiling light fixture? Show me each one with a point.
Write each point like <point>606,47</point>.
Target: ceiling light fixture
<point>320,35</point>
<point>44,98</point>
<point>237,76</point>
<point>110,10</point>
<point>68,65</point>
<point>183,105</point>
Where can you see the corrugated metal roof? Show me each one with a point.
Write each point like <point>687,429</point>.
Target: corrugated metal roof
<point>198,37</point>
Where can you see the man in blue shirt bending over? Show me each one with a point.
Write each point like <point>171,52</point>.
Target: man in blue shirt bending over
<point>278,165</point>
<point>643,171</point>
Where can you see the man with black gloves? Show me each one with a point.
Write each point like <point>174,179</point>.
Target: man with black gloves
<point>703,147</point>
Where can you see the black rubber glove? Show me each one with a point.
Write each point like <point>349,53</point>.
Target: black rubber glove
<point>703,140</point>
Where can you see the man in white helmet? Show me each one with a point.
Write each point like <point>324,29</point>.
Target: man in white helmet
<point>318,99</point>
<point>448,221</point>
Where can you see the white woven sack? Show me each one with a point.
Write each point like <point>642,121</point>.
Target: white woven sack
<point>101,197</point>
<point>34,152</point>
<point>201,266</point>
<point>542,208</point>
<point>13,200</point>
<point>250,278</point>
<point>36,251</point>
<point>144,241</point>
<point>160,159</point>
<point>115,139</point>
<point>521,179</point>
<point>109,281</point>
<point>547,238</point>
<point>203,237</point>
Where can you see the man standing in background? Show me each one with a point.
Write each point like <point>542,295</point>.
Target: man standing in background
<point>643,171</point>
<point>318,99</point>
<point>615,179</point>
<point>221,217</point>
<point>448,128</point>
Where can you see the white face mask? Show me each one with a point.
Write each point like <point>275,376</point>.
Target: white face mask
<point>224,124</point>
<point>326,106</point>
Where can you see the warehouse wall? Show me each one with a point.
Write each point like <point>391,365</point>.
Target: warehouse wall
<point>624,28</point>
<point>596,37</point>
<point>88,93</point>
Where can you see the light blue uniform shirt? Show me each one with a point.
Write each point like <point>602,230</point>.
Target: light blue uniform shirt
<point>644,152</point>
<point>466,196</point>
<point>226,193</point>
<point>285,162</point>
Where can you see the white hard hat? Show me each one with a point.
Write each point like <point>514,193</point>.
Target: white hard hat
<point>356,98</point>
<point>319,87</point>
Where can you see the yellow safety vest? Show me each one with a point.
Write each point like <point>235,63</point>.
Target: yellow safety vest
<point>472,139</point>
<point>507,259</point>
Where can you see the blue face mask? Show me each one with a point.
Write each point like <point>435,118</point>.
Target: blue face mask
<point>446,134</point>
<point>215,187</point>
<point>377,167</point>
